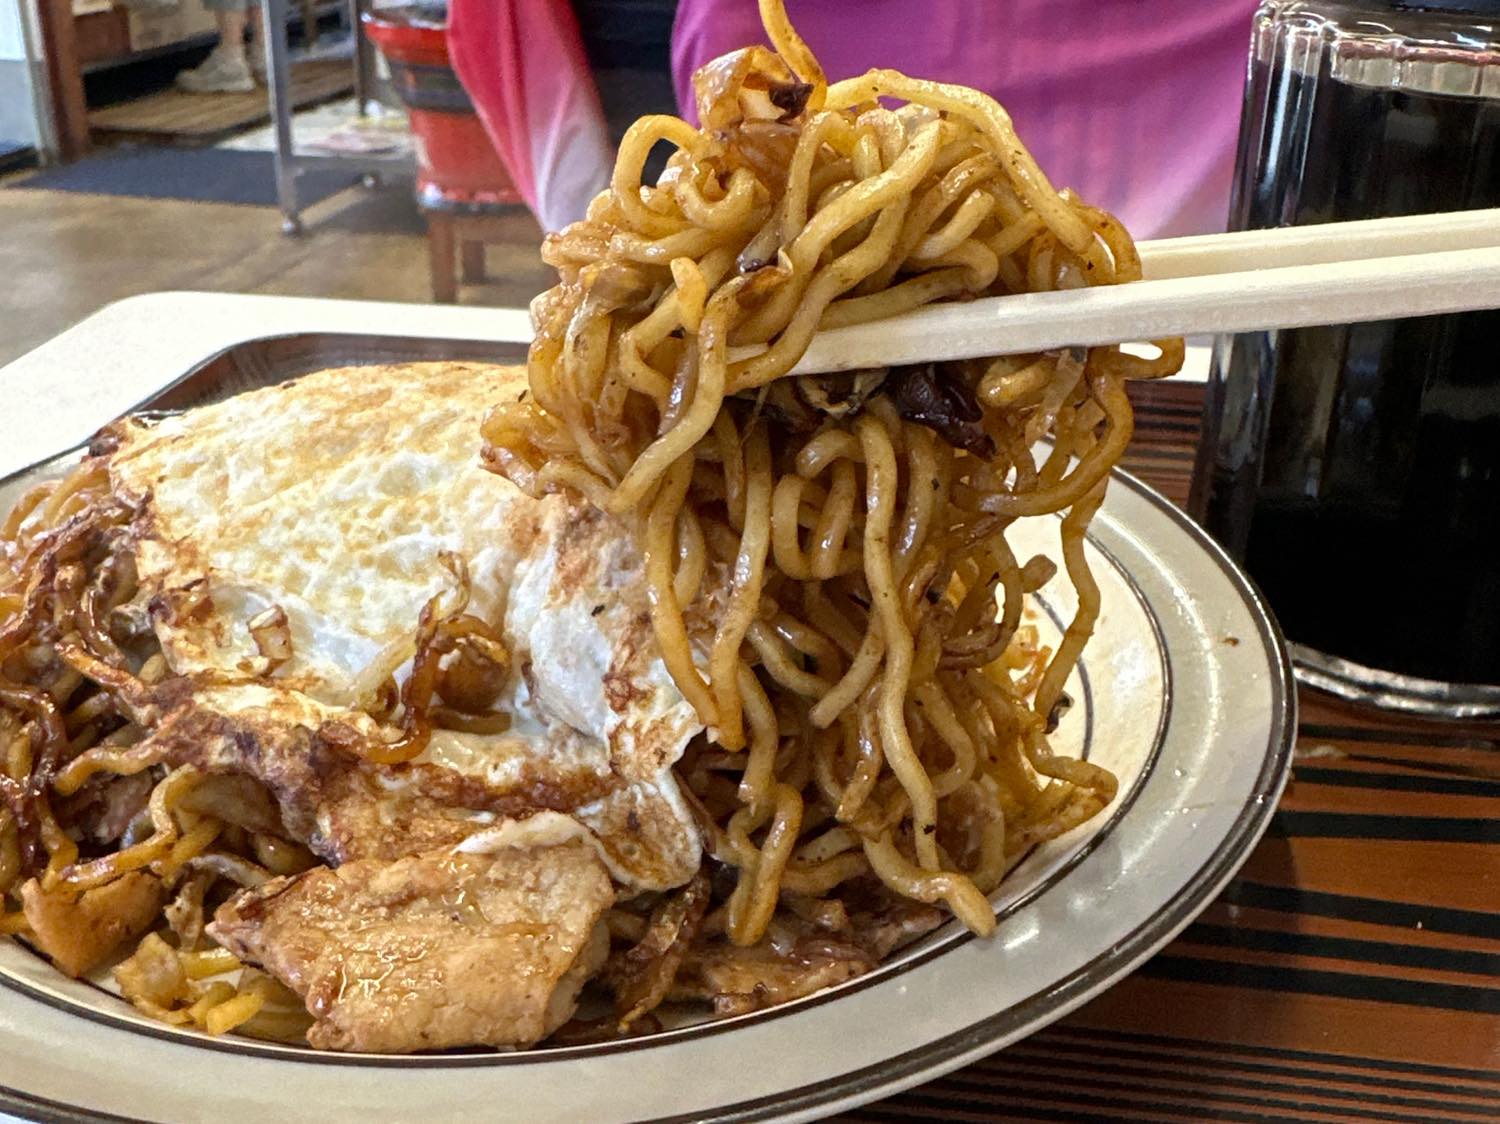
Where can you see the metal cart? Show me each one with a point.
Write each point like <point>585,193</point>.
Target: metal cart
<point>288,161</point>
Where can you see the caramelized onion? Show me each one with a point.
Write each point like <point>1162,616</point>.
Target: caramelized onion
<point>272,636</point>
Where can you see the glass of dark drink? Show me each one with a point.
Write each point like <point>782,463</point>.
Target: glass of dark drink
<point>1355,470</point>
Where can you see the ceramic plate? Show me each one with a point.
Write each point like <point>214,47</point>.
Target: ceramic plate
<point>1184,692</point>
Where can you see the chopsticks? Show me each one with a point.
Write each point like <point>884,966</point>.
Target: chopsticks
<point>1325,242</point>
<point>1294,277</point>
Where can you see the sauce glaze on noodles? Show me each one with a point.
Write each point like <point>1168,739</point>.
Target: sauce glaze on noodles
<point>826,554</point>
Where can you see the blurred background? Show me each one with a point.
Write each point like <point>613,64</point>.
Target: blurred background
<point>415,152</point>
<point>115,179</point>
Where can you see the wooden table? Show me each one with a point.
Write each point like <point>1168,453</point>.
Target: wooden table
<point>1350,972</point>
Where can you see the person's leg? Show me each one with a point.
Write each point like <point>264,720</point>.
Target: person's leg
<point>226,70</point>
<point>255,46</point>
<point>231,23</point>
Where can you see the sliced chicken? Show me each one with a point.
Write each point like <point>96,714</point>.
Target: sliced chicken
<point>79,931</point>
<point>738,980</point>
<point>802,955</point>
<point>447,948</point>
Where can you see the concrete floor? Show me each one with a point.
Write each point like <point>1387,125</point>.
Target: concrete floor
<point>63,255</point>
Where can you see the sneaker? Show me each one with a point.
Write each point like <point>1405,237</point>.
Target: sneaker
<point>221,73</point>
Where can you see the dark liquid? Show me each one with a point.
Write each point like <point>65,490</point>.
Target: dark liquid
<point>1356,470</point>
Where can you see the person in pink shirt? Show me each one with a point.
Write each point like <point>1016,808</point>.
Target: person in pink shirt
<point>522,64</point>
<point>1133,103</point>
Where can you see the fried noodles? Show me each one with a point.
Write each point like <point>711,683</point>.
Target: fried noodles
<point>87,857</point>
<point>831,584</point>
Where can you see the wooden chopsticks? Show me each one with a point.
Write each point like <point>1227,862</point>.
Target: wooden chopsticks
<point>1325,242</point>
<point>1247,281</point>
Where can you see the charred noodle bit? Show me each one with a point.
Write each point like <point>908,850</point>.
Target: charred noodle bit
<point>471,682</point>
<point>827,575</point>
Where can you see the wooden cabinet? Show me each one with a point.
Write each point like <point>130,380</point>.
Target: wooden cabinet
<point>102,35</point>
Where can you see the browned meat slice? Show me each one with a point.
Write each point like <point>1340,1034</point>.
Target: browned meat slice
<point>437,950</point>
<point>79,931</point>
<point>642,975</point>
<point>889,923</point>
<point>803,954</point>
<point>107,805</point>
<point>737,980</point>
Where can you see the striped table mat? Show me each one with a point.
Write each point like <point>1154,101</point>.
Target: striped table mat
<point>1351,972</point>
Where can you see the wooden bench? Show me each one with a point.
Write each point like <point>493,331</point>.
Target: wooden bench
<point>455,245</point>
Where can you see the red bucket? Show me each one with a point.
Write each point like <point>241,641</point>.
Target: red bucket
<point>457,164</point>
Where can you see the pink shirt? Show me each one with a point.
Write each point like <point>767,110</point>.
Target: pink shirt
<point>1133,103</point>
<point>523,66</point>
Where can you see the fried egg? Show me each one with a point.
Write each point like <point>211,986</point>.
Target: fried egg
<point>347,499</point>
